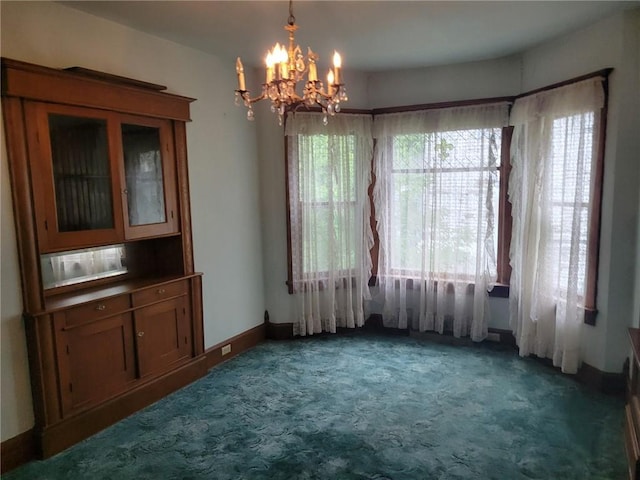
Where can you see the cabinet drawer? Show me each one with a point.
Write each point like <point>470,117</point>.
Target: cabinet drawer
<point>94,310</point>
<point>159,292</point>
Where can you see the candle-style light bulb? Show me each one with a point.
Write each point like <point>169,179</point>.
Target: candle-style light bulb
<point>240,72</point>
<point>337,64</point>
<point>284,63</point>
<point>313,72</point>
<point>330,80</point>
<point>269,62</point>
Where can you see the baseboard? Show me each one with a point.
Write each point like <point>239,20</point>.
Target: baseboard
<point>279,331</point>
<point>374,323</point>
<point>506,336</point>
<point>17,451</point>
<point>240,343</point>
<point>606,382</point>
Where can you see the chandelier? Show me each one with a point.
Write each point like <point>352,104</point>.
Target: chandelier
<point>285,68</point>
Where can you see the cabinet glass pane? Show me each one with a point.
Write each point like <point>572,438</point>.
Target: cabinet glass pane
<point>143,171</point>
<point>81,173</point>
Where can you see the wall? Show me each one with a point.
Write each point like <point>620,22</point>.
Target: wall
<point>222,168</point>
<point>465,81</point>
<point>612,42</point>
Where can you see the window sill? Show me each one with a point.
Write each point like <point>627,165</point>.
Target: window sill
<point>590,315</point>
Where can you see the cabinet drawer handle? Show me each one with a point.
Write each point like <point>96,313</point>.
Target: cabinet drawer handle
<point>161,290</point>
<point>101,307</point>
<point>141,334</point>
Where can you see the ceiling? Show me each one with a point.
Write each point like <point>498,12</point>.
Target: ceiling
<point>370,35</point>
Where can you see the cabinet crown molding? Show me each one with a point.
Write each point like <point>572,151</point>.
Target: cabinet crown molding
<point>89,88</point>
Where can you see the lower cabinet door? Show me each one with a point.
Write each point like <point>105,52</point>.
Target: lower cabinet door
<point>97,361</point>
<point>163,336</point>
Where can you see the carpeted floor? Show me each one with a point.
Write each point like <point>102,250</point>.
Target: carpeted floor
<point>361,407</point>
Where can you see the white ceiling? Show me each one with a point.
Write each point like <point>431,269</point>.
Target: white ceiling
<point>370,35</point>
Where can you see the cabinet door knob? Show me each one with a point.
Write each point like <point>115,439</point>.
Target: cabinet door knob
<point>161,290</point>
<point>101,307</point>
<point>141,334</point>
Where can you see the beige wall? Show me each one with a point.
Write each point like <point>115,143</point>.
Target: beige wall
<point>223,173</point>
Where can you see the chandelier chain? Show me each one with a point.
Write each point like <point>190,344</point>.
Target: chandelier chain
<point>291,20</point>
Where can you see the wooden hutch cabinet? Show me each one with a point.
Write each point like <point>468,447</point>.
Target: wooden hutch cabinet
<point>632,408</point>
<point>112,304</point>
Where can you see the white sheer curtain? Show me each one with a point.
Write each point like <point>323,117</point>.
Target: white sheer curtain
<point>436,197</point>
<point>329,172</point>
<point>553,152</point>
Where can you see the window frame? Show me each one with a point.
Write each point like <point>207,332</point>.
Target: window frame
<point>290,196</point>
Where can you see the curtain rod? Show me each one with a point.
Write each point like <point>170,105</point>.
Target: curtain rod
<point>604,73</point>
<point>431,106</point>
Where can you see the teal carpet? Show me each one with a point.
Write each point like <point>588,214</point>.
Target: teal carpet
<point>361,407</point>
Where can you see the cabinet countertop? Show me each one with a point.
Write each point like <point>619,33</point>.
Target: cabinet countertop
<point>66,300</point>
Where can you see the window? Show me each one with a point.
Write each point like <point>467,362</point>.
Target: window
<point>455,177</point>
<point>571,157</point>
<point>442,202</point>
<point>436,199</point>
<point>555,193</point>
<point>561,131</point>
<point>325,202</point>
<point>328,174</point>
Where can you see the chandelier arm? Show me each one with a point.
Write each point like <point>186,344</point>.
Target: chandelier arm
<point>295,98</point>
<point>246,96</point>
<point>333,95</point>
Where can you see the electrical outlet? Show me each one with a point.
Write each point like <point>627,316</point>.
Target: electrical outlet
<point>226,349</point>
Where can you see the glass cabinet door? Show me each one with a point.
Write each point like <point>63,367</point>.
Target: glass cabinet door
<point>143,173</point>
<point>77,180</point>
<point>147,163</point>
<point>81,172</point>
